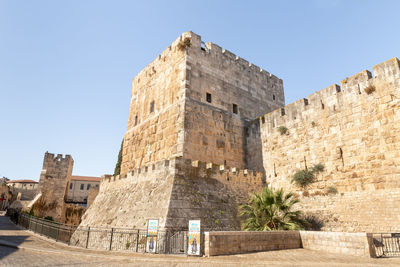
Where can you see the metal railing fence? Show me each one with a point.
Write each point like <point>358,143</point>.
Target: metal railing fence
<point>386,244</point>
<point>168,242</point>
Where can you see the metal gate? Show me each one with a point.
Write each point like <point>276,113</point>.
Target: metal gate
<point>386,245</point>
<point>178,242</point>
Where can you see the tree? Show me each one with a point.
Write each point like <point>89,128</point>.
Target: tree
<point>271,210</point>
<point>117,169</point>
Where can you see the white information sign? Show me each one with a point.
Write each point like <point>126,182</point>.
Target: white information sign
<point>194,237</point>
<point>152,231</point>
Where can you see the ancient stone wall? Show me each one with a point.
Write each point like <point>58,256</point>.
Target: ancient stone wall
<point>55,176</point>
<point>223,243</point>
<point>362,211</point>
<point>355,244</point>
<point>223,93</point>
<point>352,129</point>
<point>210,192</point>
<point>72,213</point>
<point>92,194</point>
<point>129,200</point>
<point>173,191</point>
<point>232,242</point>
<point>155,125</point>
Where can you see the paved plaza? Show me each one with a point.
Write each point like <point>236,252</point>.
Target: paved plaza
<point>19,247</point>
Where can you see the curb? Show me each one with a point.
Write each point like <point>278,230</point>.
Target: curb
<point>9,244</point>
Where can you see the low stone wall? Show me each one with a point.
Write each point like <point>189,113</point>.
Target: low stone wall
<point>336,242</point>
<point>223,243</point>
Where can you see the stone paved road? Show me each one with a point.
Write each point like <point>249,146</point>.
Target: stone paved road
<point>38,251</point>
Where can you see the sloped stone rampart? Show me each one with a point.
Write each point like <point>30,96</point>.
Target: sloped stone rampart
<point>173,191</point>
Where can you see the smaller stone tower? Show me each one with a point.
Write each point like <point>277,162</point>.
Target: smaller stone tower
<point>54,179</point>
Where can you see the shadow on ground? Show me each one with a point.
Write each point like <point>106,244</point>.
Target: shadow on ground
<point>10,236</point>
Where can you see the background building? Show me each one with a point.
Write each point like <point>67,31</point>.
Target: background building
<point>78,188</point>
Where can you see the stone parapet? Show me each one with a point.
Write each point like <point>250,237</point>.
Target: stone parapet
<point>225,243</point>
<point>355,244</point>
<point>186,167</point>
<point>232,242</point>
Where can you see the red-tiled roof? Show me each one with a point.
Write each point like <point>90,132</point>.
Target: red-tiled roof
<point>22,181</point>
<point>85,178</point>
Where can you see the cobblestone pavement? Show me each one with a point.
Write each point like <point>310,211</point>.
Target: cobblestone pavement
<point>38,251</point>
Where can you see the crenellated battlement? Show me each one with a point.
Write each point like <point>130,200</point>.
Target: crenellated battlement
<point>59,157</point>
<point>352,91</point>
<point>209,49</point>
<point>188,167</point>
<point>213,50</point>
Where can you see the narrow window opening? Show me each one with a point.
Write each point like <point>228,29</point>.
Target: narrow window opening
<point>136,120</point>
<point>225,162</point>
<point>88,187</point>
<point>273,97</point>
<point>208,97</point>
<point>152,106</point>
<point>82,185</point>
<point>359,91</point>
<point>235,108</point>
<point>341,155</point>
<point>203,46</point>
<point>263,119</point>
<point>322,105</point>
<point>70,186</point>
<point>275,174</point>
<point>305,162</point>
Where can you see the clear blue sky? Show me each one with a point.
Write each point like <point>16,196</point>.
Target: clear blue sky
<point>66,66</point>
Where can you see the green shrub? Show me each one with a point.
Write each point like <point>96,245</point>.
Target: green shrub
<point>370,89</point>
<point>31,212</point>
<point>117,169</point>
<point>317,168</point>
<point>282,129</point>
<point>271,210</point>
<point>305,177</point>
<point>332,190</point>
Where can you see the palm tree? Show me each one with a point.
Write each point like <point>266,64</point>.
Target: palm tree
<point>270,211</point>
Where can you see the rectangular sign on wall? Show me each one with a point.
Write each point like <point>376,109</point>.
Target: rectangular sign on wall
<point>152,231</point>
<point>194,237</point>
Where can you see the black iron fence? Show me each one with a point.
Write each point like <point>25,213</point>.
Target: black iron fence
<point>168,242</point>
<point>386,245</point>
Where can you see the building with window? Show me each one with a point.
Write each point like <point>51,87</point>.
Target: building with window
<point>27,189</point>
<point>78,188</point>
<point>23,184</point>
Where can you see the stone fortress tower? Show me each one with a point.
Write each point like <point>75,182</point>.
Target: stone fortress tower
<point>54,178</point>
<point>195,101</point>
<point>185,152</point>
<point>203,133</point>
